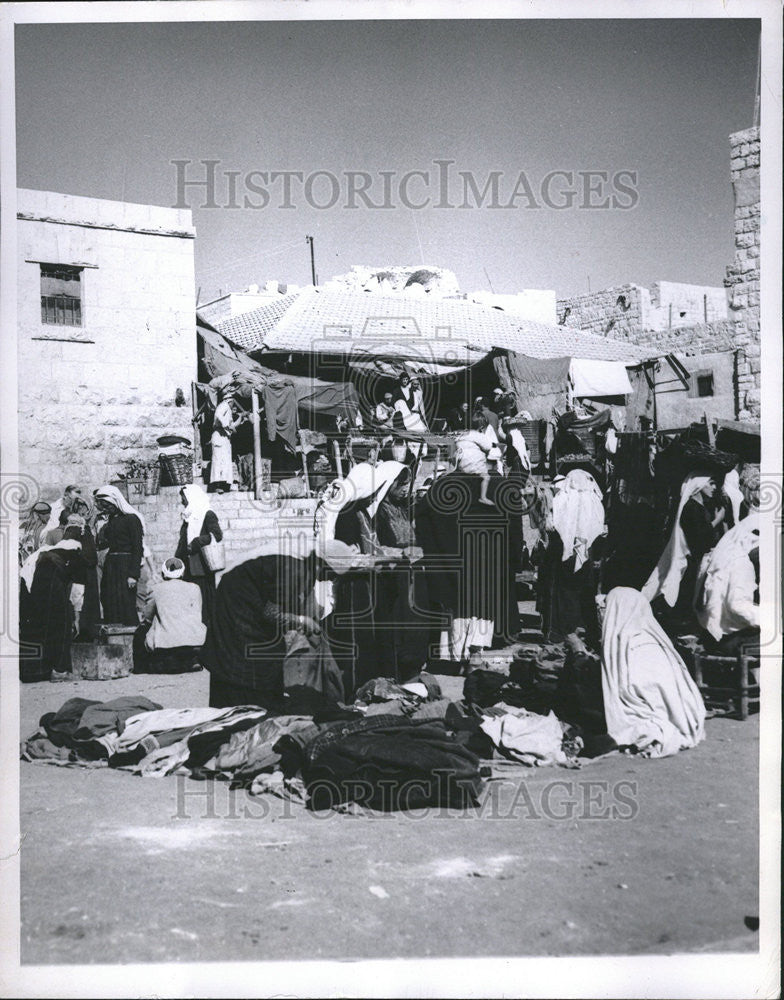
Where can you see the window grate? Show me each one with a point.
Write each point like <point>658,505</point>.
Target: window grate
<point>61,295</point>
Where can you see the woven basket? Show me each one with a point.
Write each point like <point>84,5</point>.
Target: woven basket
<point>121,485</point>
<point>176,470</point>
<point>152,483</point>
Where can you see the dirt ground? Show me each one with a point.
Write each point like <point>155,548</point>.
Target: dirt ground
<point>624,856</point>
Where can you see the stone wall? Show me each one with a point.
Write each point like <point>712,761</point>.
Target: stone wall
<point>616,312</point>
<point>623,311</point>
<point>743,276</point>
<point>248,524</point>
<point>93,396</point>
<point>679,406</point>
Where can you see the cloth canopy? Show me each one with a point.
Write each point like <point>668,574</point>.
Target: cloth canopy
<point>599,378</point>
<point>539,385</point>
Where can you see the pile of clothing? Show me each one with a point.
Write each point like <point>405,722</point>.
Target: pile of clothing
<point>394,750</point>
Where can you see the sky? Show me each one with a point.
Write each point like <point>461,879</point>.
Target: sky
<point>104,110</point>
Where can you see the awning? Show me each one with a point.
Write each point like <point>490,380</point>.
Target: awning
<point>599,378</point>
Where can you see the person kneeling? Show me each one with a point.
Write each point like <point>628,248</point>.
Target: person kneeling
<point>170,638</point>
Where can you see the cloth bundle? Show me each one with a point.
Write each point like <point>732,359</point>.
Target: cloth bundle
<point>390,763</point>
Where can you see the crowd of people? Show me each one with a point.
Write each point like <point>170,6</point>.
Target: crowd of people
<point>402,579</point>
<point>85,561</point>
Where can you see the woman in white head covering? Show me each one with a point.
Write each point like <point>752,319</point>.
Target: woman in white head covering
<point>650,701</point>
<point>727,585</point>
<point>123,535</point>
<point>200,526</point>
<point>46,614</point>
<point>693,535</point>
<point>567,581</point>
<point>350,504</point>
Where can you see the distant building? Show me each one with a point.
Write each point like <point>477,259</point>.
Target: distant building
<point>236,303</point>
<point>714,331</point>
<point>106,334</point>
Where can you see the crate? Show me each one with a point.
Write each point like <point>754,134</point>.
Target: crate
<point>101,661</point>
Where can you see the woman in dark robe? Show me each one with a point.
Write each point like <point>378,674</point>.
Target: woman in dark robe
<point>46,613</point>
<point>568,581</point>
<point>123,536</point>
<point>401,604</point>
<point>472,555</point>
<point>260,605</point>
<point>200,525</point>
<point>695,532</point>
<point>90,613</point>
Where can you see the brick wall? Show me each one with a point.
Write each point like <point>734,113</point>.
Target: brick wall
<point>743,276</point>
<point>248,524</point>
<point>93,396</point>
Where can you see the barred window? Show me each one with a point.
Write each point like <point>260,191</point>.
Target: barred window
<point>61,294</point>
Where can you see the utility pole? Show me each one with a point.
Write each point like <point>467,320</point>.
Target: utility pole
<point>309,239</point>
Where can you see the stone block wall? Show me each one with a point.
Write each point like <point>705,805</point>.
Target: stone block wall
<point>248,524</point>
<point>743,276</point>
<point>93,396</point>
<point>615,312</point>
<point>622,312</point>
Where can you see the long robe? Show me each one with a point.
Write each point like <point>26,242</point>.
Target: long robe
<point>472,551</point>
<point>123,536</point>
<point>210,528</point>
<point>47,618</point>
<point>246,643</point>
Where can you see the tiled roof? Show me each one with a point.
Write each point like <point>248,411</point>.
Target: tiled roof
<point>317,319</point>
<point>249,329</point>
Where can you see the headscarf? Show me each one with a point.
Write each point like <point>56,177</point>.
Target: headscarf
<point>666,578</point>
<point>364,481</point>
<point>27,572</point>
<point>719,572</point>
<point>732,490</point>
<point>578,515</point>
<point>172,569</point>
<point>197,505</point>
<point>650,701</point>
<point>113,496</point>
<point>31,530</point>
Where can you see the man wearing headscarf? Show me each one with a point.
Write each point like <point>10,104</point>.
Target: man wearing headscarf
<point>168,640</point>
<point>693,535</point>
<point>32,529</point>
<point>264,608</point>
<point>650,701</point>
<point>200,526</point>
<point>123,536</point>
<point>225,422</point>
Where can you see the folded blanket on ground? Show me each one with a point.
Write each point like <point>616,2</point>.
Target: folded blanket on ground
<point>389,763</point>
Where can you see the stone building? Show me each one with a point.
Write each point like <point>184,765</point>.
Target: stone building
<point>714,331</point>
<point>106,334</point>
<point>743,276</point>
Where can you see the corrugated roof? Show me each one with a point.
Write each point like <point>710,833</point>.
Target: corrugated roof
<point>315,320</point>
